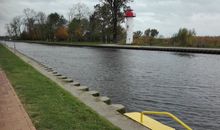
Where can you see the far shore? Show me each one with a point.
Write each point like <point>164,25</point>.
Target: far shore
<point>134,47</point>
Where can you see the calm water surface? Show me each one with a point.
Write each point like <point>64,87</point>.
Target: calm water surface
<point>187,85</point>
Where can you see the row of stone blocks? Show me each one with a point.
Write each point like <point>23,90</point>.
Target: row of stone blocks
<point>118,107</point>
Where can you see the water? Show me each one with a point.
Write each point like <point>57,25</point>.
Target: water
<point>187,85</point>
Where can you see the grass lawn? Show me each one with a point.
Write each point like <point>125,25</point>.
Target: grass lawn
<point>49,106</point>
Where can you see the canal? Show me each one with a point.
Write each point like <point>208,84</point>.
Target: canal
<point>187,85</point>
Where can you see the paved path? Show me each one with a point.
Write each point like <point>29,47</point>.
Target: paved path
<point>12,113</point>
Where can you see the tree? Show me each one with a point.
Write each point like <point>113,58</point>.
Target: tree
<point>151,33</point>
<point>147,32</point>
<point>54,21</point>
<point>40,25</point>
<point>35,25</point>
<point>72,26</point>
<point>115,6</point>
<point>138,37</point>
<point>154,33</point>
<point>100,21</point>
<point>94,28</point>
<point>78,11</point>
<point>137,34</point>
<point>77,29</point>
<point>24,35</point>
<point>61,33</point>
<point>78,21</point>
<point>30,17</point>
<point>41,18</point>
<point>184,37</point>
<point>9,30</point>
<point>14,28</point>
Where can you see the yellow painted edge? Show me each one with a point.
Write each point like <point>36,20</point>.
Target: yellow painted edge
<point>148,121</point>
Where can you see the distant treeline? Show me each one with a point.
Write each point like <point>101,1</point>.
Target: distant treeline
<point>207,41</point>
<point>101,25</point>
<point>184,38</point>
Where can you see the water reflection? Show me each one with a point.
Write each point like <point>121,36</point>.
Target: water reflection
<point>182,54</point>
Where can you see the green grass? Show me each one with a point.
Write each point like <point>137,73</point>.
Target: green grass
<point>49,106</point>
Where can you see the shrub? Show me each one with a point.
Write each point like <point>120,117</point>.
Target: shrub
<point>61,34</point>
<point>184,37</point>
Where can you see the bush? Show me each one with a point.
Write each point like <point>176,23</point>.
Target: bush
<point>184,37</point>
<point>61,34</point>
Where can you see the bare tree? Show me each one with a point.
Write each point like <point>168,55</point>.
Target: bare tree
<point>78,11</point>
<point>9,30</point>
<point>41,18</point>
<point>14,28</point>
<point>17,21</point>
<point>29,13</point>
<point>30,18</point>
<point>40,25</point>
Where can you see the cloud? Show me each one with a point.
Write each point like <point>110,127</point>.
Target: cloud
<point>170,15</point>
<point>165,15</point>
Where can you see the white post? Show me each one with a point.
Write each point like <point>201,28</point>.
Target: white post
<point>14,47</point>
<point>129,28</point>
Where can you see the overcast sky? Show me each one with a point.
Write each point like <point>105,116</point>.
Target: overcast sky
<point>165,15</point>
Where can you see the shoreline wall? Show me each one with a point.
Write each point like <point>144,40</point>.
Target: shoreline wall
<point>133,47</point>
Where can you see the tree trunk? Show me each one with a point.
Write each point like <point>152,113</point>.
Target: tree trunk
<point>115,22</point>
<point>115,32</point>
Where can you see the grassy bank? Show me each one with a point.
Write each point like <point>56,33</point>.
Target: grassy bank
<point>49,106</point>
